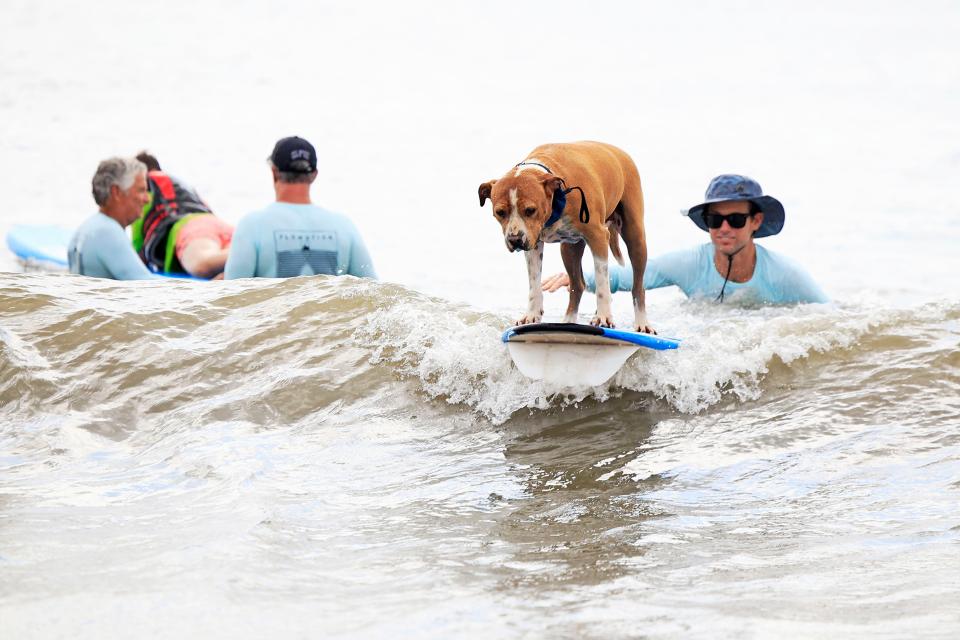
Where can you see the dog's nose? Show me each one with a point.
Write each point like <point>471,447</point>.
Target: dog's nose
<point>515,242</point>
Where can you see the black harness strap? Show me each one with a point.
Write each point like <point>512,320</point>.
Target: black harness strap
<point>584,210</point>
<point>560,198</point>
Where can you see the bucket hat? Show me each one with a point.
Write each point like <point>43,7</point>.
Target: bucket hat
<point>727,187</point>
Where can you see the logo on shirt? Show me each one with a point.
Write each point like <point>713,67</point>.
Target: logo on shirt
<point>306,253</point>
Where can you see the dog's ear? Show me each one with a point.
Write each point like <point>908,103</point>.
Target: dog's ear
<point>485,190</point>
<point>550,184</point>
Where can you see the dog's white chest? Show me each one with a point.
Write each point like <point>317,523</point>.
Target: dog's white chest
<point>561,231</point>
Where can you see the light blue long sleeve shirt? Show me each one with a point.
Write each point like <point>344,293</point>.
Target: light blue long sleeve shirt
<point>100,248</point>
<point>285,240</point>
<point>776,279</point>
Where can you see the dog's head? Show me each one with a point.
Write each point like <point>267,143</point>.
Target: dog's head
<point>522,204</point>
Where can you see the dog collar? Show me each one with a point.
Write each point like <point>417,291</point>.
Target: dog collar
<point>535,164</point>
<point>560,198</point>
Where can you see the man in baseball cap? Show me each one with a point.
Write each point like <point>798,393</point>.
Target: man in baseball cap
<point>731,266</point>
<point>292,236</point>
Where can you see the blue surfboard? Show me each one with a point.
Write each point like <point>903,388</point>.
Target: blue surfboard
<point>574,355</point>
<point>47,244</point>
<point>40,243</point>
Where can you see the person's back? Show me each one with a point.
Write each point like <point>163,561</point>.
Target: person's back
<point>285,240</point>
<point>292,236</point>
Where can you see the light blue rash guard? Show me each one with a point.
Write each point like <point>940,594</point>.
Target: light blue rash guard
<point>285,240</point>
<point>100,248</point>
<point>776,279</point>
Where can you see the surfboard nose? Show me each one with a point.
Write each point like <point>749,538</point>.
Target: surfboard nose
<point>569,365</point>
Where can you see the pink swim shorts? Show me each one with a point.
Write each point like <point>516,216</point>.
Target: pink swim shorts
<point>204,226</point>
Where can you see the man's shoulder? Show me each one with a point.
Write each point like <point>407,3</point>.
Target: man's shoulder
<point>789,277</point>
<point>687,257</point>
<point>257,217</point>
<point>94,220</point>
<point>97,226</point>
<point>324,214</point>
<point>777,261</point>
<point>306,215</point>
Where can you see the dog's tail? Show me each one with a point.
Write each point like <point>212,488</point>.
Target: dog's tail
<point>614,225</point>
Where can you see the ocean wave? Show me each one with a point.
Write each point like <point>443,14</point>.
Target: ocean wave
<point>280,351</point>
<point>727,352</point>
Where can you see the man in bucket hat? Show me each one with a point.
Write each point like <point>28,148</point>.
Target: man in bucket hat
<point>731,266</point>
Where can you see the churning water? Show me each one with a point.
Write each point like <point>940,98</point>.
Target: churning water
<point>331,456</point>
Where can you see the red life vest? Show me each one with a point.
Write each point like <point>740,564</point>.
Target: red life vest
<point>172,201</point>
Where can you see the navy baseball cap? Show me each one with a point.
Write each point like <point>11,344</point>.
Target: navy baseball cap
<point>729,187</point>
<point>294,155</point>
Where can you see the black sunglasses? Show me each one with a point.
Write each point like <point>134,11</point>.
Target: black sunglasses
<point>735,220</point>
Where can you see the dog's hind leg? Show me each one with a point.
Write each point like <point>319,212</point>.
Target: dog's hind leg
<point>634,237</point>
<point>598,242</point>
<point>572,254</point>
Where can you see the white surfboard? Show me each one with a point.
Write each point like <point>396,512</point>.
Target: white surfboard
<point>575,354</point>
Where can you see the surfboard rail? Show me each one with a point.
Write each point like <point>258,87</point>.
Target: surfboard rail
<point>573,333</point>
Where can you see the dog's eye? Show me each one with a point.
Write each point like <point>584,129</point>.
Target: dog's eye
<point>529,211</point>
<point>500,213</point>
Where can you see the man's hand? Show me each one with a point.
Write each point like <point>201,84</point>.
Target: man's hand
<point>554,282</point>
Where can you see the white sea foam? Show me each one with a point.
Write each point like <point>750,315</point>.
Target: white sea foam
<point>726,352</point>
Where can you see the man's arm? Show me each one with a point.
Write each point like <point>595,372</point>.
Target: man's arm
<point>118,257</point>
<point>621,278</point>
<point>242,260</point>
<point>658,273</point>
<point>361,264</point>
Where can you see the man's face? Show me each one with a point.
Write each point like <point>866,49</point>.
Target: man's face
<point>726,239</point>
<point>128,204</point>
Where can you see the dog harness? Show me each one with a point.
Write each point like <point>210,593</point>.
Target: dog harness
<point>560,198</point>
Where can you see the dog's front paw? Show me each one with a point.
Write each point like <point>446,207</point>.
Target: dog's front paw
<point>642,324</point>
<point>530,318</point>
<point>602,321</point>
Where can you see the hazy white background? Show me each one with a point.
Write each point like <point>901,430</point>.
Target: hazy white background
<point>824,509</point>
<point>845,111</point>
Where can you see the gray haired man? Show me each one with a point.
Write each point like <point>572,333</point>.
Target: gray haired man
<point>100,247</point>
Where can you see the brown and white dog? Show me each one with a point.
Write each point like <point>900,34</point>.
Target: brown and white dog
<point>524,201</point>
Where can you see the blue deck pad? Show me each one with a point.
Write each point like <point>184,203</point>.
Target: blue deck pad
<point>643,339</point>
